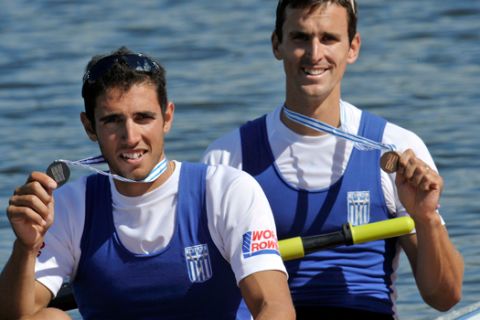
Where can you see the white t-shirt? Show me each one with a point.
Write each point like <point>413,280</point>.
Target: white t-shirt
<point>298,160</point>
<point>235,204</point>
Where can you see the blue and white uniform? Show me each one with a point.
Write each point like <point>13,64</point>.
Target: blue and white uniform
<point>314,185</point>
<point>158,255</point>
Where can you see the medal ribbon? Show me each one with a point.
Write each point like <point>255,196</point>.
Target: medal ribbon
<point>88,163</point>
<point>360,142</point>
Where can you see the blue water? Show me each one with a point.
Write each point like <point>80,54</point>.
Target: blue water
<point>419,67</point>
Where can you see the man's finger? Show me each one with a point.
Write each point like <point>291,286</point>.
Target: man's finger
<point>25,215</point>
<point>34,189</point>
<point>42,178</point>
<point>32,202</point>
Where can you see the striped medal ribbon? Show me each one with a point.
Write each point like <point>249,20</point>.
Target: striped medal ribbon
<point>389,159</point>
<point>360,142</point>
<point>59,171</point>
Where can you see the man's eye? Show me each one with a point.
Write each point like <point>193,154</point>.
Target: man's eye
<point>145,116</point>
<point>328,38</point>
<point>300,37</point>
<point>111,119</point>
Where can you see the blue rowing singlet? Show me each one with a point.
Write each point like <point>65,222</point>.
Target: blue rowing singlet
<point>189,279</point>
<point>356,277</point>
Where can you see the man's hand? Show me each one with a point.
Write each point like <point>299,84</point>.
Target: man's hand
<point>30,210</point>
<point>419,186</point>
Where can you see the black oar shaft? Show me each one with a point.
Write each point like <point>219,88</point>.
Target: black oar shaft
<point>328,240</point>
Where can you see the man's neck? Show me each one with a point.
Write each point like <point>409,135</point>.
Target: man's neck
<point>132,189</point>
<point>327,111</point>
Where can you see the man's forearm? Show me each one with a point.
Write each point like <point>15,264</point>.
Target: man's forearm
<point>17,284</point>
<point>267,295</point>
<point>439,266</point>
<point>276,311</point>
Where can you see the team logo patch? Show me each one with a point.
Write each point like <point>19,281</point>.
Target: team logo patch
<point>358,207</point>
<point>259,242</point>
<point>198,263</point>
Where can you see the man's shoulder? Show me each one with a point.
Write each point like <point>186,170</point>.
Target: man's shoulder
<point>225,141</point>
<point>225,150</point>
<point>231,139</point>
<point>228,148</point>
<point>225,174</point>
<point>405,139</point>
<point>354,114</point>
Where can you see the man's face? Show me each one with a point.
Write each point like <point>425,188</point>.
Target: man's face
<point>315,51</point>
<point>130,129</point>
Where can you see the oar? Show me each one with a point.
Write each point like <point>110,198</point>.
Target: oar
<point>296,248</point>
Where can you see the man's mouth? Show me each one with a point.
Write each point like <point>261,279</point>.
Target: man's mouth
<point>132,155</point>
<point>314,72</point>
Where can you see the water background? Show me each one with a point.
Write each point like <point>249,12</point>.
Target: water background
<point>419,67</point>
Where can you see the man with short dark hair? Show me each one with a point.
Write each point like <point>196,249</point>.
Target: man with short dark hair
<point>315,182</point>
<point>150,239</point>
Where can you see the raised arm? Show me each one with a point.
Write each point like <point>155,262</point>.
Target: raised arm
<point>267,295</point>
<point>30,213</point>
<point>437,265</point>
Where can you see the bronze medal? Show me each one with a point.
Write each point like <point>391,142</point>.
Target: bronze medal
<point>389,161</point>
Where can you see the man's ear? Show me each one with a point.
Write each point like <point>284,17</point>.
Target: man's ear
<point>88,126</point>
<point>275,46</point>
<point>168,117</point>
<point>354,50</point>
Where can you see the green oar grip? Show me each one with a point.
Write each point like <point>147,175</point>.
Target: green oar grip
<point>382,230</point>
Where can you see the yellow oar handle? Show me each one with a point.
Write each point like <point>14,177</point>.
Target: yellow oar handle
<point>291,248</point>
<point>297,247</point>
<point>382,230</point>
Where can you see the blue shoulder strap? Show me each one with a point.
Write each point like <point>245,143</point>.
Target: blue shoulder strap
<point>256,152</point>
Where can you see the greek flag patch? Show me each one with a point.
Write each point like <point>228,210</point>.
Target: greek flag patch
<point>198,263</point>
<point>358,207</point>
<point>259,242</point>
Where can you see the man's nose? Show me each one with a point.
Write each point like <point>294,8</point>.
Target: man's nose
<point>315,50</point>
<point>130,133</point>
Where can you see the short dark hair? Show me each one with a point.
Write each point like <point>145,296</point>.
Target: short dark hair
<point>121,69</point>
<point>349,5</point>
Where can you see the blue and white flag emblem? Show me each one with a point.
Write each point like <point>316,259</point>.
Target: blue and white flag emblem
<point>198,263</point>
<point>358,207</point>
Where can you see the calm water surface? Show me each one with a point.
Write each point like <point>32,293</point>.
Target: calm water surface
<point>419,67</point>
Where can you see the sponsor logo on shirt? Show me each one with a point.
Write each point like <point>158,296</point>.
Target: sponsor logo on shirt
<point>198,263</point>
<point>358,207</point>
<point>259,242</point>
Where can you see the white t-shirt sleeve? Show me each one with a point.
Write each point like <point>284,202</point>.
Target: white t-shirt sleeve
<point>59,257</point>
<point>225,150</point>
<point>236,205</point>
